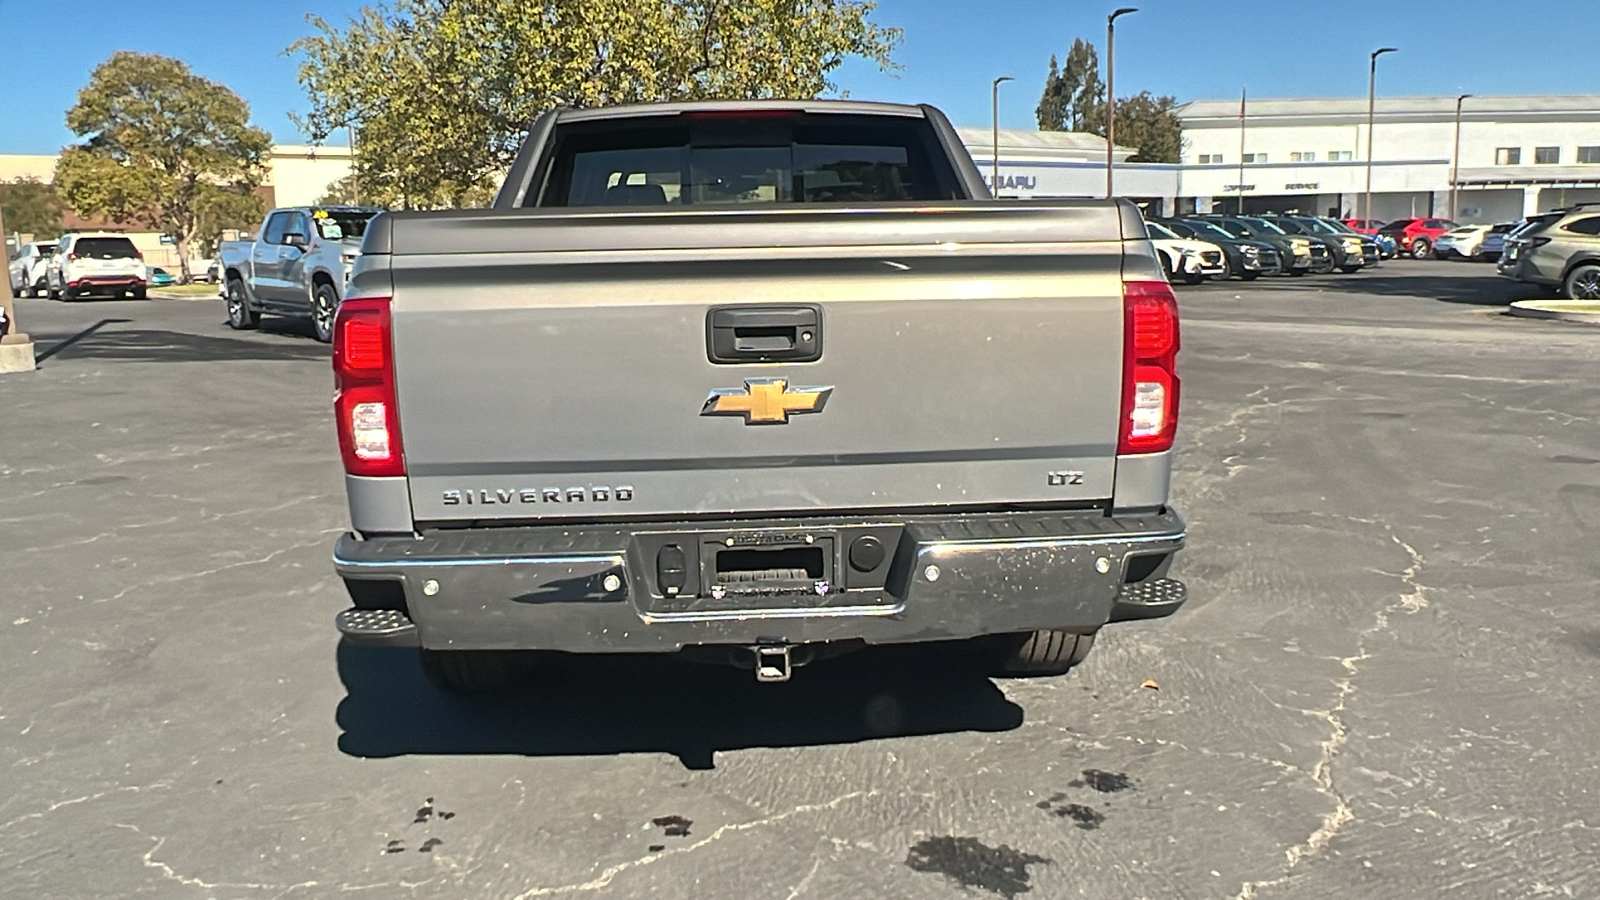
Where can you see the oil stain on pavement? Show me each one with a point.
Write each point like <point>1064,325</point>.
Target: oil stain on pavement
<point>972,864</point>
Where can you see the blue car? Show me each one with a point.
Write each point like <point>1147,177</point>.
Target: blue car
<point>1387,248</point>
<point>161,278</point>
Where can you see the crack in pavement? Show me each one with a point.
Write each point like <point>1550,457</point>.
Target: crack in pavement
<point>1342,814</point>
<point>87,798</point>
<point>609,874</point>
<point>804,882</point>
<point>170,874</point>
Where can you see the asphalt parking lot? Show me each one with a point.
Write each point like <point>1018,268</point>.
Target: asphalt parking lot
<point>1385,682</point>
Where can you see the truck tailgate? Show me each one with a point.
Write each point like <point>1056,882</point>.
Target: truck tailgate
<point>559,363</point>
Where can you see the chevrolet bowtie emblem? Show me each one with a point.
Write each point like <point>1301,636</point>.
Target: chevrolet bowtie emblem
<point>766,401</point>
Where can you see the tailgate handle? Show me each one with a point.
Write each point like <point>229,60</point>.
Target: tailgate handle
<point>744,334</point>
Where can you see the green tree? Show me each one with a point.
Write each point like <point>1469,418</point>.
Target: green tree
<point>1151,124</point>
<point>163,148</point>
<point>31,207</point>
<point>344,192</point>
<point>441,92</point>
<point>1074,99</point>
<point>1074,96</point>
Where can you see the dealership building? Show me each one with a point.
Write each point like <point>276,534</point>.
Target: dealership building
<point>1518,155</point>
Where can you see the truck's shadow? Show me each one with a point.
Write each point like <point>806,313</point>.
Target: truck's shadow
<point>644,705</point>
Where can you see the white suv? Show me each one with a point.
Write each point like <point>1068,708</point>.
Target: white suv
<point>106,264</point>
<point>26,270</point>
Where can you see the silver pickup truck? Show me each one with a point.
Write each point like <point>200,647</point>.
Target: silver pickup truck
<point>759,382</point>
<point>297,265</point>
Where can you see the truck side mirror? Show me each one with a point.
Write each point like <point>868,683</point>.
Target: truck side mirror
<point>294,239</point>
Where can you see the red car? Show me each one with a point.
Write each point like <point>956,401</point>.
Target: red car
<point>1363,226</point>
<point>1416,236</point>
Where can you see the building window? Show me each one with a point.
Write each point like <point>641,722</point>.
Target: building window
<point>1589,154</point>
<point>1508,156</point>
<point>1297,156</point>
<point>1255,157</point>
<point>1207,159</point>
<point>1546,156</point>
<point>1341,155</point>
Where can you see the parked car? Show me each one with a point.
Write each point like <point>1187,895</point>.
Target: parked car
<point>1347,249</point>
<point>1514,242</point>
<point>1463,242</point>
<point>26,272</point>
<point>297,265</point>
<point>1247,259</point>
<point>1563,252</point>
<point>1416,236</point>
<point>1372,245</point>
<point>1494,243</point>
<point>1363,226</point>
<point>1187,260</point>
<point>736,482</point>
<point>1297,254</point>
<point>96,264</point>
<point>160,277</point>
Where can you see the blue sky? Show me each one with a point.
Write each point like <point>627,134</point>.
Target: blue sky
<point>1192,49</point>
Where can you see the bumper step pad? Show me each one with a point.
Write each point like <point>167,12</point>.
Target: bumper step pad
<point>1149,599</point>
<point>382,627</point>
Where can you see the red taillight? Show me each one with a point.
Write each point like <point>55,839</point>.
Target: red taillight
<point>1149,368</point>
<point>364,396</point>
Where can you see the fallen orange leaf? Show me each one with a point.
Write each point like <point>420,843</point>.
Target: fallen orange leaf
<point>1148,683</point>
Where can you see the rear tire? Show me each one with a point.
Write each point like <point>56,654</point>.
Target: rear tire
<point>1421,249</point>
<point>1193,277</point>
<point>139,293</point>
<point>1249,276</point>
<point>1044,652</point>
<point>240,316</point>
<point>1582,283</point>
<point>324,306</point>
<point>471,671</point>
<point>1350,270</point>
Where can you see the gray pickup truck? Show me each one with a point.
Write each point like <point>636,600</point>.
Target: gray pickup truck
<point>757,382</point>
<point>297,265</point>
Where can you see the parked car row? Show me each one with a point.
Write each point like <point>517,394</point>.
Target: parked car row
<point>79,265</point>
<point>1558,249</point>
<point>1195,248</point>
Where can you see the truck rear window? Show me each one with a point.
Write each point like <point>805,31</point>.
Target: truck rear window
<point>104,248</point>
<point>681,161</point>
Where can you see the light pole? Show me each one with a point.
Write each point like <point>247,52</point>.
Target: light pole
<point>994,128</point>
<point>1111,94</point>
<point>1243,96</point>
<point>1455,158</point>
<point>1372,93</point>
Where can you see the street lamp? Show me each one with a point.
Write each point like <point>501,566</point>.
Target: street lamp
<point>994,126</point>
<point>1455,158</point>
<point>1111,92</point>
<point>1372,93</point>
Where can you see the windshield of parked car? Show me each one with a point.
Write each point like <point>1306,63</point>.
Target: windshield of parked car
<point>1235,227</point>
<point>1266,226</point>
<point>1316,226</point>
<point>1207,230</point>
<point>342,224</point>
<point>1160,233</point>
<point>104,248</point>
<point>798,158</point>
<point>1398,225</point>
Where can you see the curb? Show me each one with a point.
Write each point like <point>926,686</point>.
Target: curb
<point>1585,311</point>
<point>167,295</point>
